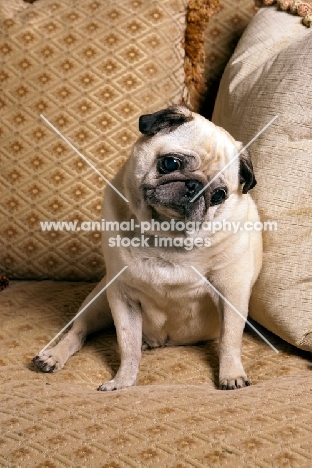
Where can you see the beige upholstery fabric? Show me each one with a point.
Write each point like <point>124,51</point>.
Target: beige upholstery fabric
<point>174,418</point>
<point>91,67</point>
<point>268,75</point>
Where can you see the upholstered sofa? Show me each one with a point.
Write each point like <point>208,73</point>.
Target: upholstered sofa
<point>91,68</point>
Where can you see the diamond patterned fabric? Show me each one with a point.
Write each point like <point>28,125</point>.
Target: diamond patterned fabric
<point>175,417</point>
<point>91,68</point>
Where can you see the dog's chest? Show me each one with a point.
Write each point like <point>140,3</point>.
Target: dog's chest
<point>161,278</point>
<point>176,305</point>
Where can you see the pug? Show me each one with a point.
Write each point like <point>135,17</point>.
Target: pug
<point>183,169</point>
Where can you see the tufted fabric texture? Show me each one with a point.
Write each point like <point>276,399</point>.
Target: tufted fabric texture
<point>91,68</point>
<point>174,418</point>
<point>269,76</point>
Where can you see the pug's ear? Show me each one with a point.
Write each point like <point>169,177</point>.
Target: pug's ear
<point>246,172</point>
<point>164,120</point>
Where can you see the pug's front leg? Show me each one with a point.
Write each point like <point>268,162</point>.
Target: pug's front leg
<point>231,371</point>
<point>128,322</point>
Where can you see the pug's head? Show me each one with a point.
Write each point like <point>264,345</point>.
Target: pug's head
<point>184,167</point>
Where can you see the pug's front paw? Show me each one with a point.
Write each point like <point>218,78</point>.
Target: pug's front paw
<point>115,384</point>
<point>233,384</point>
<point>48,361</point>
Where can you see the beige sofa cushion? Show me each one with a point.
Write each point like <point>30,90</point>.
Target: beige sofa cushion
<point>91,67</point>
<point>268,75</point>
<point>175,417</point>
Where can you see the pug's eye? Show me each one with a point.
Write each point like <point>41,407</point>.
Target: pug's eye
<point>218,196</point>
<point>169,164</point>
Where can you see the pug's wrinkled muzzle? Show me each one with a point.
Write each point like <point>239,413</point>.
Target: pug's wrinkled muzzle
<point>177,196</point>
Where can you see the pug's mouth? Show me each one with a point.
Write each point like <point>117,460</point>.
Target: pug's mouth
<point>174,198</point>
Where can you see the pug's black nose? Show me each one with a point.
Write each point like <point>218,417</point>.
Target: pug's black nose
<point>193,187</point>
